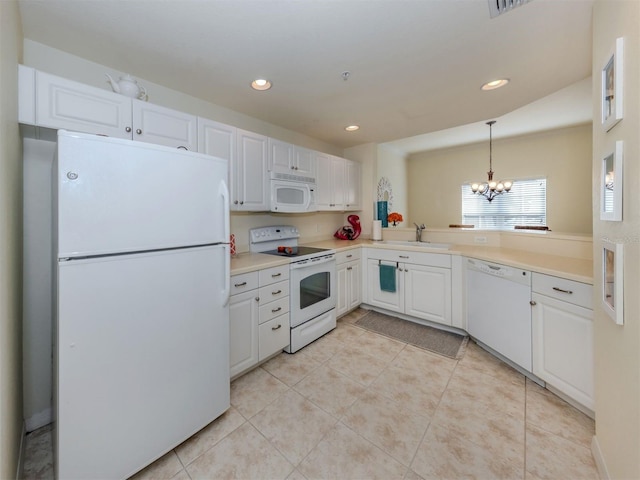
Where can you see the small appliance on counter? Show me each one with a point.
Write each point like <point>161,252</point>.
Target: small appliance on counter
<point>312,281</point>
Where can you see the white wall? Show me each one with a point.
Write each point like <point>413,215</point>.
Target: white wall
<point>10,243</point>
<point>563,156</point>
<point>617,347</point>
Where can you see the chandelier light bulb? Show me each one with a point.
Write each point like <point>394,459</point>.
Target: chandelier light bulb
<point>475,187</point>
<point>499,187</point>
<point>507,185</point>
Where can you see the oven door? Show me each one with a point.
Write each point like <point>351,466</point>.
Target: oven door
<point>313,288</point>
<point>292,197</point>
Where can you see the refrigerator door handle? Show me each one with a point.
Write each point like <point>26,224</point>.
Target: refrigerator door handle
<point>227,275</point>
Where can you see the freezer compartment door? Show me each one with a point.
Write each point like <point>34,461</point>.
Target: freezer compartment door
<point>121,196</point>
<point>142,358</point>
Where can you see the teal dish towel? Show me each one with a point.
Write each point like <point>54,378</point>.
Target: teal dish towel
<point>387,278</point>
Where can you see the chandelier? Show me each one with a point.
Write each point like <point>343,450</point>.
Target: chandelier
<point>491,189</point>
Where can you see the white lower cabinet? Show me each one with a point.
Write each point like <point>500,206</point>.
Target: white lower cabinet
<point>422,284</point>
<point>563,336</point>
<point>349,287</point>
<point>259,323</point>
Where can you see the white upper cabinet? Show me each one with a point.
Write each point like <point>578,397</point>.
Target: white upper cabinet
<point>164,126</point>
<point>64,104</point>
<point>280,156</point>
<point>331,181</point>
<point>217,139</point>
<point>249,182</point>
<point>288,158</point>
<point>353,189</point>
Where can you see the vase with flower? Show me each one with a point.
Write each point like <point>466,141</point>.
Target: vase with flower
<point>394,218</point>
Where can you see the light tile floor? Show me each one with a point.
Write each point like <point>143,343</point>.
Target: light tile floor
<point>355,404</point>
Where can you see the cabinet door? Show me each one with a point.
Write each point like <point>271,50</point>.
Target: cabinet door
<point>304,162</point>
<point>352,191</point>
<point>393,301</point>
<point>250,180</point>
<point>338,177</point>
<point>342,300</point>
<point>163,126</point>
<point>428,293</point>
<point>354,289</point>
<point>280,156</point>
<point>563,347</point>
<point>61,103</point>
<point>243,332</point>
<point>323,181</point>
<point>216,139</point>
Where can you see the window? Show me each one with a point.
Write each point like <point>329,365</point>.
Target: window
<point>525,204</point>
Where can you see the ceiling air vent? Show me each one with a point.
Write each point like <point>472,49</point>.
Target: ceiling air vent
<point>498,7</point>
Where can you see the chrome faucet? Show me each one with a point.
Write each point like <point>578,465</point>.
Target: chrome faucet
<point>419,229</point>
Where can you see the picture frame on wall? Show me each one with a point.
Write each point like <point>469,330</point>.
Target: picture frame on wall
<point>611,182</point>
<point>612,86</point>
<point>612,280</point>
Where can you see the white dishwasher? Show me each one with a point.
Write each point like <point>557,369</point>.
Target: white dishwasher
<point>499,309</point>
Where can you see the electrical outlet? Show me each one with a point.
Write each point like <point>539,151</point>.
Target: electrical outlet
<point>480,239</point>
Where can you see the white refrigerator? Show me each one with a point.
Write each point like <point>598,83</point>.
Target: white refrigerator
<point>142,326</point>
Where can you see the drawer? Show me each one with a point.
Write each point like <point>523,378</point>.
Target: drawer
<point>273,275</point>
<point>273,336</point>
<point>578,293</point>
<point>244,282</point>
<point>347,256</point>
<point>273,309</point>
<point>273,292</point>
<point>419,258</point>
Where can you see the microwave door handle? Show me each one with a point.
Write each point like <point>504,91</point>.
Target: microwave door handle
<point>306,206</point>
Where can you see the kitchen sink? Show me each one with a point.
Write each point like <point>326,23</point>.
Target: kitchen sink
<point>413,243</point>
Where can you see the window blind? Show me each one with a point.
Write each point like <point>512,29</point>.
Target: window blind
<point>525,204</point>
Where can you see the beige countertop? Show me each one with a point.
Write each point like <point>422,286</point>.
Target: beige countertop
<point>578,269</point>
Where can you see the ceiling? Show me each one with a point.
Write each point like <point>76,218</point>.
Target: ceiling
<point>416,66</point>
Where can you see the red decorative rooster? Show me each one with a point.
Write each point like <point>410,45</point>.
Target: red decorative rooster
<point>349,232</point>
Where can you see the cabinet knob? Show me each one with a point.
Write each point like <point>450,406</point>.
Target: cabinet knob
<point>257,299</point>
<point>235,202</point>
<point>242,202</point>
<point>532,303</point>
<point>138,131</point>
<point>349,268</point>
<point>128,129</point>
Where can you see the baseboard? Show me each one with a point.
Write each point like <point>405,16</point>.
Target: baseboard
<point>40,419</point>
<point>23,443</point>
<point>599,459</point>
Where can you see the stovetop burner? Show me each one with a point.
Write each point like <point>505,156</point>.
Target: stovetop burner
<point>282,240</point>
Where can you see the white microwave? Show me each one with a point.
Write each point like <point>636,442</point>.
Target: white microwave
<point>292,193</point>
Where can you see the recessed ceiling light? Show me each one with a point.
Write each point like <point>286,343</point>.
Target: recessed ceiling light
<point>261,84</point>
<point>352,128</point>
<point>495,84</point>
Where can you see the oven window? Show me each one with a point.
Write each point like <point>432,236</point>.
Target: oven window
<point>314,289</point>
<point>289,196</point>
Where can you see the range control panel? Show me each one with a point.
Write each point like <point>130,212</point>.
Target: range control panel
<point>280,234</point>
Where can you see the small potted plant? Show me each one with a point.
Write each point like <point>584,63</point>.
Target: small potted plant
<point>394,218</point>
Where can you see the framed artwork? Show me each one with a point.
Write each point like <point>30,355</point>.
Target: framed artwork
<point>612,281</point>
<point>611,81</point>
<point>611,184</point>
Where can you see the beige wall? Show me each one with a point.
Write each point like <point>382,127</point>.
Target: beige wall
<point>10,242</point>
<point>392,165</point>
<point>617,348</point>
<point>563,156</point>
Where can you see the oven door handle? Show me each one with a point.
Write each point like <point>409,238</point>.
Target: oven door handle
<point>309,263</point>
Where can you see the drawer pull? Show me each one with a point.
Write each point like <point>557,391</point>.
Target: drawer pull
<point>562,291</point>
<point>274,310</point>
<point>532,303</point>
<point>277,292</point>
<point>349,268</point>
<point>239,284</point>
<point>349,256</point>
<point>274,275</point>
<point>403,256</point>
<point>276,328</point>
